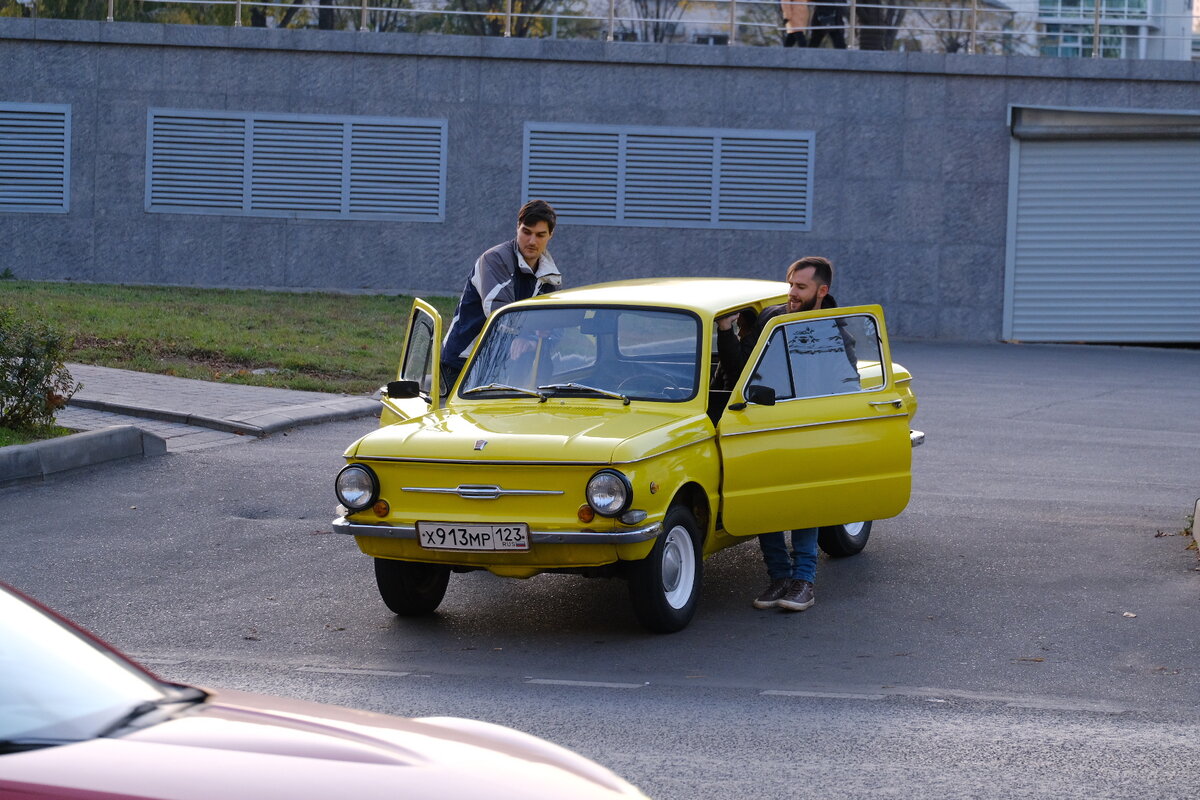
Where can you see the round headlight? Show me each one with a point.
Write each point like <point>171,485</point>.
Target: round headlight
<point>357,487</point>
<point>609,493</point>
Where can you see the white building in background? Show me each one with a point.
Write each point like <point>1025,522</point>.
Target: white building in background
<point>1135,29</point>
<point>1139,29</point>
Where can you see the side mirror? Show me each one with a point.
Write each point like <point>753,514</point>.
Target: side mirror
<point>761,395</point>
<point>402,389</point>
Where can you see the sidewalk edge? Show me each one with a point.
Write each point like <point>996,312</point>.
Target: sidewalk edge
<point>25,463</point>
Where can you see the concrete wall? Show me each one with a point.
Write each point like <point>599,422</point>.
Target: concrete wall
<point>911,155</point>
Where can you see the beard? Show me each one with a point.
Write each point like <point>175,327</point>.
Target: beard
<point>806,305</point>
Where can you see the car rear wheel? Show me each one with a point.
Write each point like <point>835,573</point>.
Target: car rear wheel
<point>844,540</point>
<point>665,586</point>
<point>411,589</point>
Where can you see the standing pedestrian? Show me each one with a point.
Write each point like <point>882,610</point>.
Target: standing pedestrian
<point>793,573</point>
<point>828,19</point>
<point>795,22</point>
<point>515,270</point>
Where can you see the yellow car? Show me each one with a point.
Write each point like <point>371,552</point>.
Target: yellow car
<point>593,432</point>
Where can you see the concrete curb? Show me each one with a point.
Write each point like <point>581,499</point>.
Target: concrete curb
<point>33,462</point>
<point>255,424</point>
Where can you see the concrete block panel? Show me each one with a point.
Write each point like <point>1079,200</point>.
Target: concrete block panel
<point>1101,94</point>
<point>975,213</point>
<point>133,33</point>
<point>194,69</point>
<point>922,150</point>
<point>61,66</point>
<point>190,251</point>
<point>128,251</point>
<point>17,28</point>
<point>634,53</point>
<point>47,246</point>
<point>1166,95</point>
<point>385,86</point>
<point>973,98</point>
<point>120,186</point>
<point>970,275</point>
<point>68,30</point>
<point>449,81</point>
<point>392,43</point>
<point>253,252</point>
<point>976,151</point>
<point>197,35</point>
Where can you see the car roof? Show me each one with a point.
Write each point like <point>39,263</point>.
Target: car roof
<point>706,296</point>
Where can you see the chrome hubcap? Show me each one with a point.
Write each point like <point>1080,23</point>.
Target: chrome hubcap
<point>678,567</point>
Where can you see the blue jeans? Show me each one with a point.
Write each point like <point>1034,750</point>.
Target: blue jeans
<point>800,564</point>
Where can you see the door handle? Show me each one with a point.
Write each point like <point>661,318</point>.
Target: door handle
<point>897,403</point>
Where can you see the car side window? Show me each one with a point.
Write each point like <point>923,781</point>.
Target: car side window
<point>418,352</point>
<point>823,357</point>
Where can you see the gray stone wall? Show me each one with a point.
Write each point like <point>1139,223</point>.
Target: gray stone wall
<point>911,156</point>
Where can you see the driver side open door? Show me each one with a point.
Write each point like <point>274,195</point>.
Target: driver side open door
<point>420,364</point>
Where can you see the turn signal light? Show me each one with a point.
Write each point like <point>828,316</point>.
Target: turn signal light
<point>586,513</point>
<point>381,508</point>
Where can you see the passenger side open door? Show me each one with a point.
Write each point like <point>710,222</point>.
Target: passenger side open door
<point>816,432</point>
<point>417,388</point>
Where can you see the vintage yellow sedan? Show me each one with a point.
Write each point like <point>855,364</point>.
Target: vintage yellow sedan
<point>593,432</point>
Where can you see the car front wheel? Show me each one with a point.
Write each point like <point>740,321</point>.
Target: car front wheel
<point>844,540</point>
<point>665,586</point>
<point>411,589</point>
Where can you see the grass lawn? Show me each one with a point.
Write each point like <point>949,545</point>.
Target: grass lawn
<point>314,341</point>
<point>9,436</point>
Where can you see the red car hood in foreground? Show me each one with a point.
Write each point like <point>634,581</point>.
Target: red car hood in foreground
<point>238,745</point>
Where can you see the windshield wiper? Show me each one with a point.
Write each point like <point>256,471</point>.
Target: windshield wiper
<point>186,694</point>
<point>579,387</point>
<point>491,387</point>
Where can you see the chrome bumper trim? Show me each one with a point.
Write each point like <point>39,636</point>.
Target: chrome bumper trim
<point>916,437</point>
<point>643,534</point>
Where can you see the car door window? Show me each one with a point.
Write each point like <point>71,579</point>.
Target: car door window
<point>820,358</point>
<point>418,361</point>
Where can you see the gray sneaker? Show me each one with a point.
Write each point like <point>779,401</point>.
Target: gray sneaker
<point>798,597</point>
<point>770,596</point>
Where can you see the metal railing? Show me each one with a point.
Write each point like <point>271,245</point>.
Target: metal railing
<point>1076,28</point>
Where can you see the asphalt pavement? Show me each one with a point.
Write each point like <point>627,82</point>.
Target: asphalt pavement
<point>121,414</point>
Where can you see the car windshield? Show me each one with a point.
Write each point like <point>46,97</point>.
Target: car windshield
<point>618,353</point>
<point>55,684</point>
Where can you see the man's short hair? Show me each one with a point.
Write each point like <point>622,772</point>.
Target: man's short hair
<point>536,211</point>
<point>822,268</point>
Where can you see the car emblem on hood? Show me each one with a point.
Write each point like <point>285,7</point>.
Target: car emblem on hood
<point>480,444</point>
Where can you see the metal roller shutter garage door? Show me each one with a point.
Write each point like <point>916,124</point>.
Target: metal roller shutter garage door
<point>1104,241</point>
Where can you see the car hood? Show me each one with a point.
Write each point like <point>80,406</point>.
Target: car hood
<point>537,433</point>
<point>239,745</point>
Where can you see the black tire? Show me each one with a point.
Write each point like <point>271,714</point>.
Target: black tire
<point>411,589</point>
<point>665,586</point>
<point>839,541</point>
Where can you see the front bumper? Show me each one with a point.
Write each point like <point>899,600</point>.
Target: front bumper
<point>633,536</point>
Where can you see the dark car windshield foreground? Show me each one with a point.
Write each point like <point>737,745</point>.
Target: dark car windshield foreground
<point>620,353</point>
<point>56,686</point>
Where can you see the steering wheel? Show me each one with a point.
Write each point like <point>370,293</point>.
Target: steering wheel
<point>655,384</point>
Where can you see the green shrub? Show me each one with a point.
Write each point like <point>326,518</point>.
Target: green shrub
<point>34,383</point>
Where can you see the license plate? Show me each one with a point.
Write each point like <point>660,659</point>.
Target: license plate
<point>471,536</point>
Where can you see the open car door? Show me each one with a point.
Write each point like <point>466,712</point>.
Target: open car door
<point>417,388</point>
<point>815,433</point>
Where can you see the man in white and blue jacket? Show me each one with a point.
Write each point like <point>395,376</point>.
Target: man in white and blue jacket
<point>515,270</point>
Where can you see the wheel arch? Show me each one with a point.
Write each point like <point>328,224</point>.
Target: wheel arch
<point>693,497</point>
